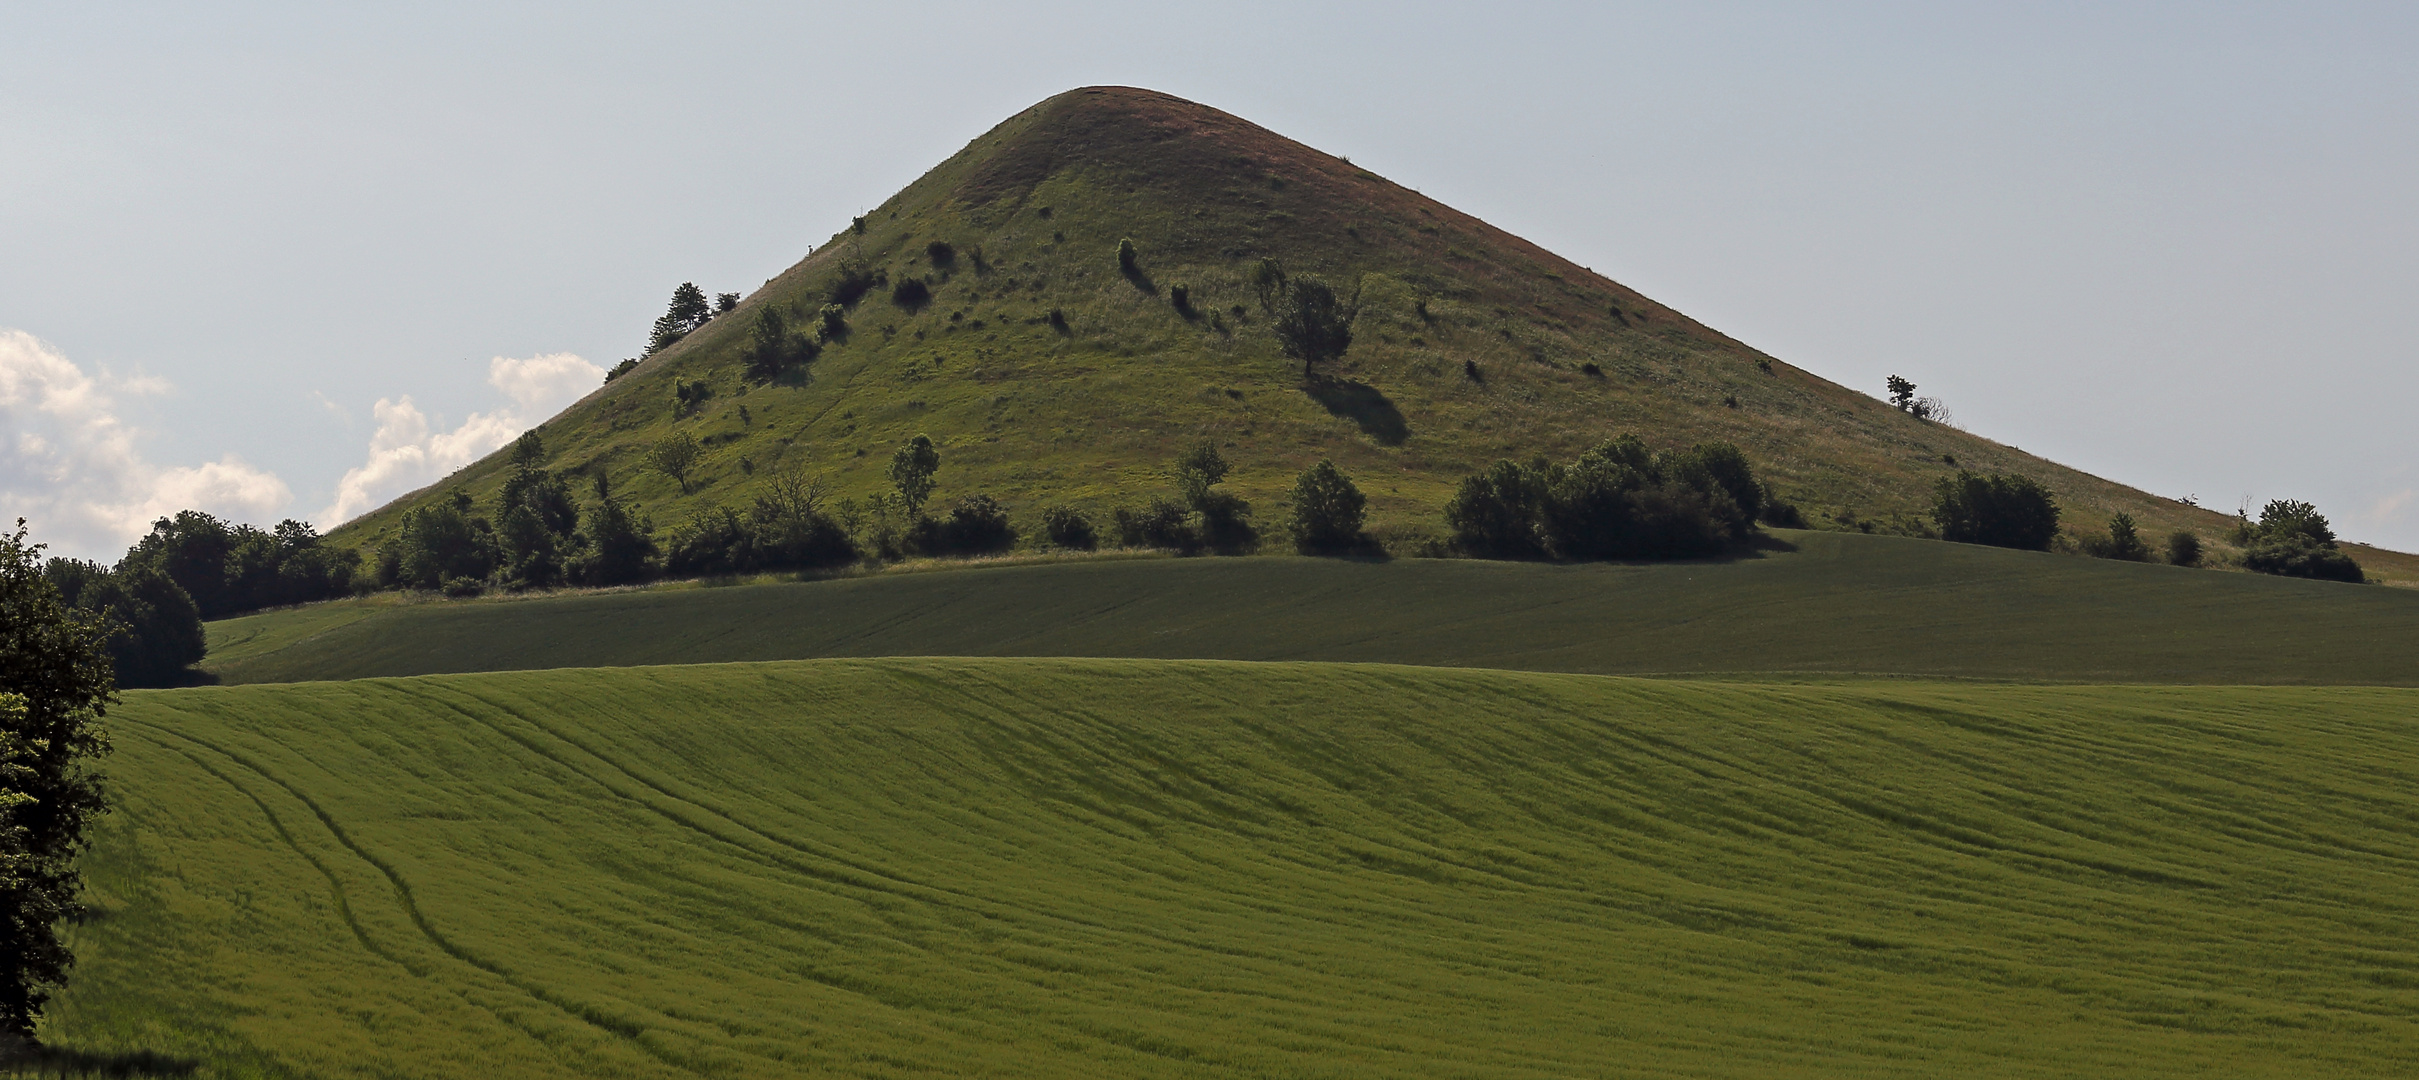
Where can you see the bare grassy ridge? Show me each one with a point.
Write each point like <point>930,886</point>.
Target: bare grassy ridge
<point>1838,604</point>
<point>1092,415</point>
<point>1057,868</point>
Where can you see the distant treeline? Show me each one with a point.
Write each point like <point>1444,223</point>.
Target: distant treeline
<point>1619,500</point>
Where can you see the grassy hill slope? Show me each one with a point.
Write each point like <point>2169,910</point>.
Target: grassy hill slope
<point>1472,345</point>
<point>1838,603</point>
<point>1155,869</point>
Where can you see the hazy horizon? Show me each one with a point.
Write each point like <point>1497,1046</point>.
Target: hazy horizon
<point>277,261</point>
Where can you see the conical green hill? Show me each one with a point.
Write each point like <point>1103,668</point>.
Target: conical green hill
<point>1471,345</point>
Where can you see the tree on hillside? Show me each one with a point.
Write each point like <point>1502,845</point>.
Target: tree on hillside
<point>674,455</point>
<point>911,472</point>
<point>2294,540</point>
<point>1312,324</point>
<point>1902,394</point>
<point>1225,519</point>
<point>54,686</point>
<point>1327,512</point>
<point>687,312</point>
<point>1996,510</point>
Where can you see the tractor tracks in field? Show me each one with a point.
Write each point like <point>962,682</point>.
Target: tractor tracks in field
<point>625,1030</point>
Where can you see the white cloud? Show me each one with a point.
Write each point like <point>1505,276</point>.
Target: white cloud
<point>70,465</point>
<point>407,452</point>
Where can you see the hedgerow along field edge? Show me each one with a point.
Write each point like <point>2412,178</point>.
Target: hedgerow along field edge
<point>1827,603</point>
<point>1148,868</point>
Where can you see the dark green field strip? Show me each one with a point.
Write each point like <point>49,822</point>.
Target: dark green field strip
<point>1136,868</point>
<point>1837,604</point>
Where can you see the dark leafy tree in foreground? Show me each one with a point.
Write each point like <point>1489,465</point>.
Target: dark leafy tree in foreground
<point>54,686</point>
<point>2294,540</point>
<point>1327,511</point>
<point>1996,510</point>
<point>1617,501</point>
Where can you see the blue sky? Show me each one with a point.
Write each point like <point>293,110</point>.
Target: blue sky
<point>287,260</point>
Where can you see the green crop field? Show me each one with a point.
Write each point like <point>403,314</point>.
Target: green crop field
<point>1005,867</point>
<point>1837,603</point>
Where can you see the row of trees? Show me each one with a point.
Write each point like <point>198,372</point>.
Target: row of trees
<point>2291,538</point>
<point>1619,500</point>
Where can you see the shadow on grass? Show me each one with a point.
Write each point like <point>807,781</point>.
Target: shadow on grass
<point>50,1061</point>
<point>1140,279</point>
<point>1362,404</point>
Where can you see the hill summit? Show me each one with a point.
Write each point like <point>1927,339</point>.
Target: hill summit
<point>1071,299</point>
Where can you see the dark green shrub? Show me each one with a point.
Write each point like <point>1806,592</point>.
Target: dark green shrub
<point>713,542</point>
<point>1180,296</point>
<point>1591,370</point>
<point>942,254</point>
<point>853,283</point>
<point>619,547</point>
<point>2184,548</point>
<point>1779,514</point>
<point>1067,527</point>
<point>1494,513</point>
<point>1617,501</point>
<point>833,322</point>
<point>621,369</point>
<point>976,525</point>
<point>1469,370</point>
<point>2123,542</point>
<point>1996,510</point>
<point>911,293</point>
<point>1058,320</point>
<point>771,348</point>
<point>1327,511</point>
<point>788,530</point>
<point>675,455</point>
<point>2294,540</point>
<point>1127,258</point>
<point>1165,523</point>
<point>440,543</point>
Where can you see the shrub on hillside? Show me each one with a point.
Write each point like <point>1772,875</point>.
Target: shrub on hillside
<point>1616,501</point>
<point>2124,542</point>
<point>619,549</point>
<point>1997,510</point>
<point>911,293</point>
<point>711,543</point>
<point>621,369</point>
<point>976,525</point>
<point>2184,548</point>
<point>2294,540</point>
<point>1067,527</point>
<point>831,322</point>
<point>911,473</point>
<point>1164,523</point>
<point>1327,511</point>
<point>943,254</point>
<point>853,283</point>
<point>1128,259</point>
<point>772,348</point>
<point>437,543</point>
